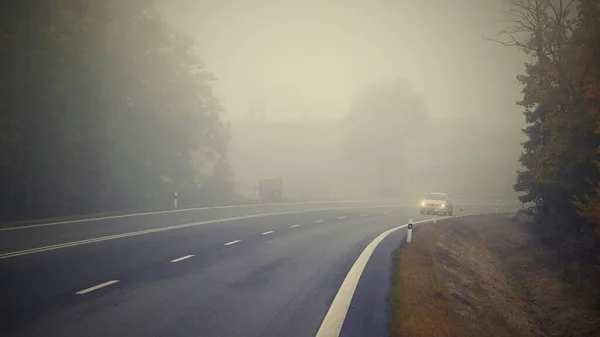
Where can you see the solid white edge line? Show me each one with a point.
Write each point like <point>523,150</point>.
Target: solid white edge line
<point>96,287</point>
<point>232,242</point>
<point>208,208</point>
<point>182,258</point>
<point>166,228</point>
<point>294,226</point>
<point>334,319</point>
<point>268,232</point>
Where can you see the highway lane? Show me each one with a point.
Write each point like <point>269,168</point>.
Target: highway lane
<point>277,280</point>
<point>21,238</point>
<point>40,287</point>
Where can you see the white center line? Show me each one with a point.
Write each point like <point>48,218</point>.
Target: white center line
<point>156,230</point>
<point>318,221</point>
<point>294,226</point>
<point>265,233</point>
<point>182,258</point>
<point>101,285</point>
<point>341,217</point>
<point>232,242</point>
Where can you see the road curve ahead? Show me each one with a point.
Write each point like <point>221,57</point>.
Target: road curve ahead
<point>272,275</point>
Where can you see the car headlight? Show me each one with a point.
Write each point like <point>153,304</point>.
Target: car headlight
<point>422,203</point>
<point>443,205</point>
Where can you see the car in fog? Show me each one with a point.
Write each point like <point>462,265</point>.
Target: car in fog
<point>437,203</point>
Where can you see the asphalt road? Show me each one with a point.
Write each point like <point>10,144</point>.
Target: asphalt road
<point>15,239</point>
<point>267,275</point>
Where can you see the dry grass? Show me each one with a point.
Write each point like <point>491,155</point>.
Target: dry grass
<point>482,276</point>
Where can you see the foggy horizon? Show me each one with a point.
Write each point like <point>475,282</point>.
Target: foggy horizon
<point>309,61</point>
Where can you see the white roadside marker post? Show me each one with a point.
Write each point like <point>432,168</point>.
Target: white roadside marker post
<point>435,218</point>
<point>497,209</point>
<point>409,232</point>
<point>461,210</point>
<point>175,200</point>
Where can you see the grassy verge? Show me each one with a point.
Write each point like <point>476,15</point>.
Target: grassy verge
<point>483,276</point>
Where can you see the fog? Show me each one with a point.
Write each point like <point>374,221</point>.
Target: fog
<point>116,105</point>
<point>315,55</point>
<point>301,65</point>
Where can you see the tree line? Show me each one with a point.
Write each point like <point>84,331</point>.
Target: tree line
<point>104,107</point>
<point>561,92</point>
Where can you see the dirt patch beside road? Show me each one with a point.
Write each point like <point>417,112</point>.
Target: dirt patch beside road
<point>483,276</point>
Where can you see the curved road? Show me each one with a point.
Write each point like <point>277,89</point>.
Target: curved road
<point>268,270</point>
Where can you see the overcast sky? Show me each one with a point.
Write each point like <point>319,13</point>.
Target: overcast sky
<point>317,54</point>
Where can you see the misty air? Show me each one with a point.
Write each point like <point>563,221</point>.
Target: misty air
<point>300,168</point>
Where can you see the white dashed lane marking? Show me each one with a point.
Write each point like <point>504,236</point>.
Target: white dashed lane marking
<point>232,242</point>
<point>96,287</point>
<point>182,258</point>
<point>265,233</point>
